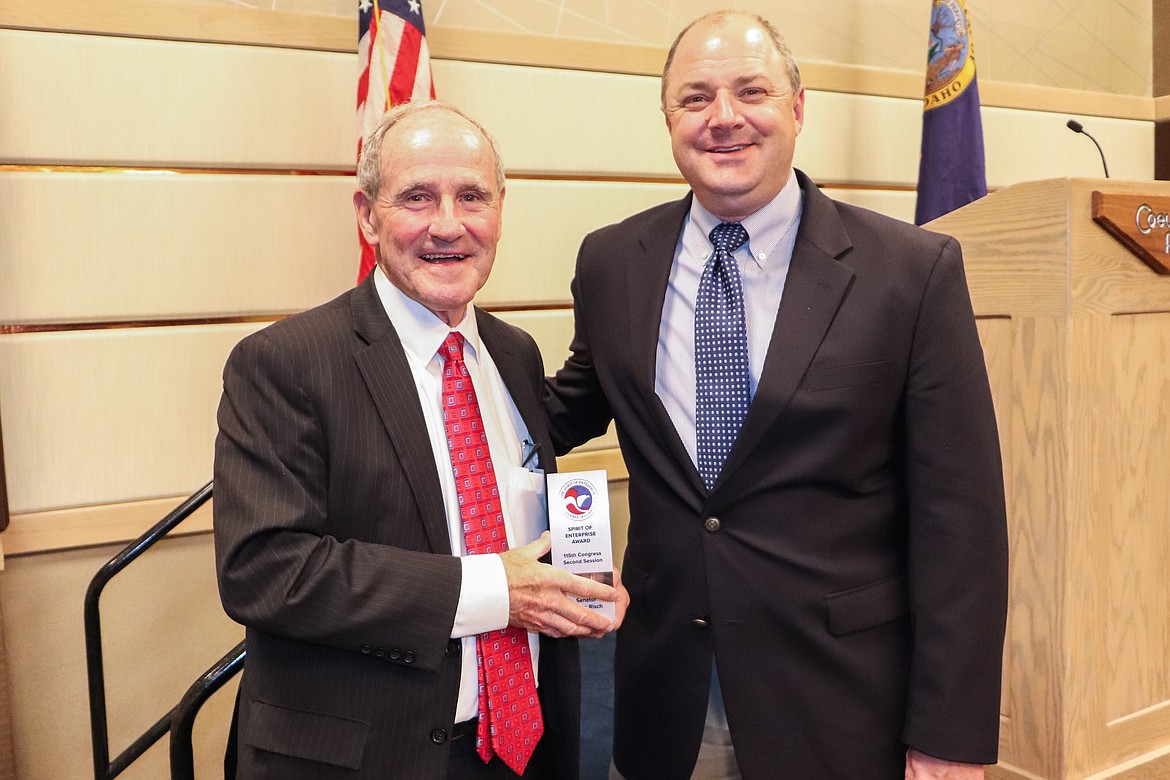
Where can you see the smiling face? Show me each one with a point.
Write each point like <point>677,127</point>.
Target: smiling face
<point>436,219</point>
<point>732,115</point>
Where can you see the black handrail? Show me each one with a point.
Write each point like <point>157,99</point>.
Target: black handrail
<point>183,721</point>
<point>103,768</point>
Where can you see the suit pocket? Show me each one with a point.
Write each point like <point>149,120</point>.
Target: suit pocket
<point>310,735</point>
<point>870,605</point>
<point>527,504</point>
<point>852,375</point>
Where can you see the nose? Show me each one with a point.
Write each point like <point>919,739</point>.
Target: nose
<point>446,225</point>
<point>724,111</point>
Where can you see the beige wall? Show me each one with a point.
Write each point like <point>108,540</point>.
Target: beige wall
<point>150,216</point>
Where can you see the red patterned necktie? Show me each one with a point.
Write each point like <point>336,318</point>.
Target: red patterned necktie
<point>510,722</point>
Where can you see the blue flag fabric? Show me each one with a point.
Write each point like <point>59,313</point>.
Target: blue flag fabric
<point>951,171</point>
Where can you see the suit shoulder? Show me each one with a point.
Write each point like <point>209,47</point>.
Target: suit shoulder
<point>503,331</point>
<point>866,225</point>
<point>307,330</point>
<point>643,221</point>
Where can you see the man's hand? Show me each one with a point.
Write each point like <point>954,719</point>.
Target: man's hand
<point>920,766</point>
<point>540,596</point>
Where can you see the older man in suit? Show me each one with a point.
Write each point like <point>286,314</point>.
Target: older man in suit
<point>379,502</point>
<point>817,547</point>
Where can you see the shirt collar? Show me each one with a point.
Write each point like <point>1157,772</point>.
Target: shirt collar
<point>766,226</point>
<point>419,329</point>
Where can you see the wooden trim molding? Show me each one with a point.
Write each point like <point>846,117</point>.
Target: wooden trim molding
<point>1162,108</point>
<point>183,22</point>
<point>292,29</point>
<point>89,526</point>
<point>12,329</point>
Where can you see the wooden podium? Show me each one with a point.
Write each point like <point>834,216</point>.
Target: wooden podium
<point>1076,330</point>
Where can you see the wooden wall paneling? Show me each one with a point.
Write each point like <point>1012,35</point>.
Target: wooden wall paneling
<point>544,222</point>
<point>164,246</point>
<point>162,627</point>
<point>891,202</point>
<point>899,77</point>
<point>208,22</point>
<point>1021,145</point>
<point>99,524</point>
<point>199,105</point>
<point>575,122</point>
<point>553,330</point>
<point>566,121</point>
<point>175,246</point>
<point>100,417</point>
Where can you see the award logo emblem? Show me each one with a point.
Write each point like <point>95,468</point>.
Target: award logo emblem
<point>578,519</point>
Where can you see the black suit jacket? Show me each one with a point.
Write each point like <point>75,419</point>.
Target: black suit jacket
<point>333,550</point>
<point>848,569</point>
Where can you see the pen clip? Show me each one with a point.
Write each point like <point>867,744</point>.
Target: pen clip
<point>532,450</point>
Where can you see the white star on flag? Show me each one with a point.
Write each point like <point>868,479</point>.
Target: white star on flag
<point>414,6</point>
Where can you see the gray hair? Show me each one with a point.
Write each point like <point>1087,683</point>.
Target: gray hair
<point>790,66</point>
<point>369,167</point>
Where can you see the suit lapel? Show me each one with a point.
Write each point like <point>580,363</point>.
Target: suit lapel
<point>382,363</point>
<point>517,375</point>
<point>813,292</point>
<point>647,277</point>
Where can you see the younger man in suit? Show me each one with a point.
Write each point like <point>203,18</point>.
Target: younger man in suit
<point>817,550</point>
<point>377,517</point>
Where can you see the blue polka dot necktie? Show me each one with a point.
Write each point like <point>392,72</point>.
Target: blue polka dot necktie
<point>722,390</point>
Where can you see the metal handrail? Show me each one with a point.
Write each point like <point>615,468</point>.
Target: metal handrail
<point>103,767</point>
<point>183,720</point>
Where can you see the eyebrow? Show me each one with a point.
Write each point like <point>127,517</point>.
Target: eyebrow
<point>426,186</point>
<point>738,82</point>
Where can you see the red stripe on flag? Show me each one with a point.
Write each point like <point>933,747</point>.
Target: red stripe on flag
<point>405,67</point>
<point>363,85</point>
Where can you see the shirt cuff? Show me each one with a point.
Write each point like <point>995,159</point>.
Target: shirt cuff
<point>483,596</point>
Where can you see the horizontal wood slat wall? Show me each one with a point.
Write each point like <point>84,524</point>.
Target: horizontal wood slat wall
<point>217,24</point>
<point>241,239</point>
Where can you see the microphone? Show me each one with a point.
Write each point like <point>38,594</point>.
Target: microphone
<point>1077,127</point>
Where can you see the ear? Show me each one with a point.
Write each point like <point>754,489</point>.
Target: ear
<point>798,110</point>
<point>365,217</point>
<point>500,212</point>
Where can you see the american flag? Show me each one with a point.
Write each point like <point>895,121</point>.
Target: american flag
<point>395,67</point>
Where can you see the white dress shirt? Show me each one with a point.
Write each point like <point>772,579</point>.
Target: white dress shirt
<point>483,595</point>
<point>763,265</point>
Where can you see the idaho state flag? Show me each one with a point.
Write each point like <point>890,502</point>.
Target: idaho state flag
<point>951,171</point>
<point>394,66</point>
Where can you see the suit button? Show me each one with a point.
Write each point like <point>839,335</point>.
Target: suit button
<point>380,653</point>
<point>454,647</point>
<point>711,524</point>
<point>365,649</point>
<point>700,623</point>
<point>395,654</point>
<point>408,657</point>
<point>439,736</point>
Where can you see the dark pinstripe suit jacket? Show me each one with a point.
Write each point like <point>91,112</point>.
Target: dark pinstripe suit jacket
<point>333,550</point>
<point>848,570</point>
